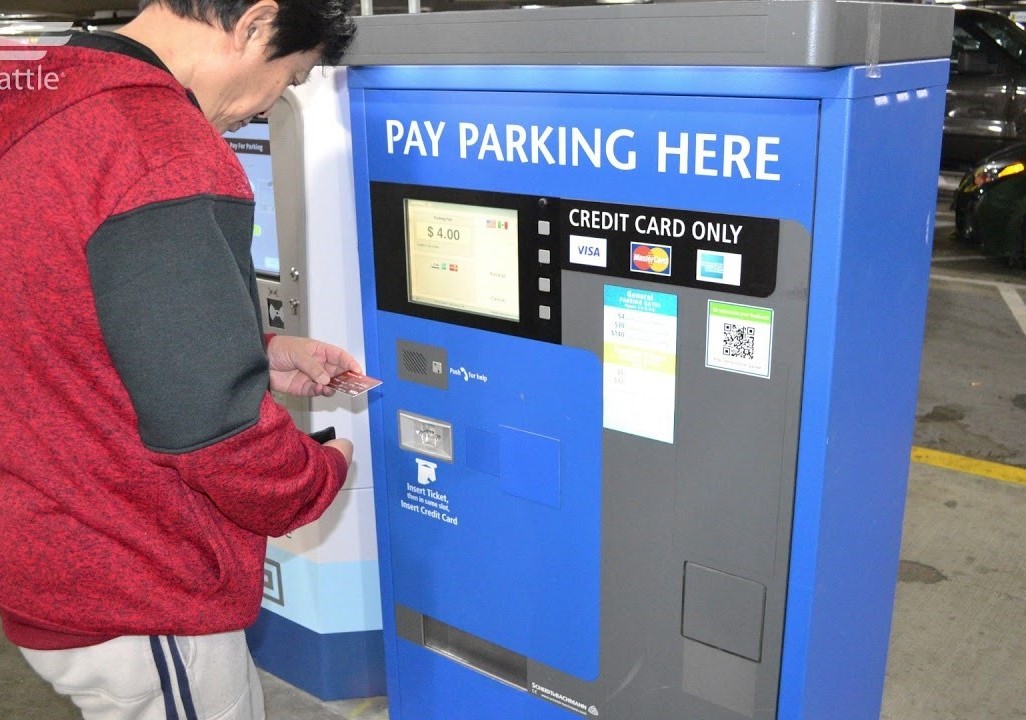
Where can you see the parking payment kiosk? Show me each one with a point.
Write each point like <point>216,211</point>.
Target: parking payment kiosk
<point>646,286</point>
<point>320,625</point>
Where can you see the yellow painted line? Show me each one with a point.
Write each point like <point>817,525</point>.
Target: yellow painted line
<point>973,466</point>
<point>358,710</point>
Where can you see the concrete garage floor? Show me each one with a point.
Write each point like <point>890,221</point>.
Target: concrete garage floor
<point>958,641</point>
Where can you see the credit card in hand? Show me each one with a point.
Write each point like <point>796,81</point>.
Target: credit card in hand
<point>352,383</point>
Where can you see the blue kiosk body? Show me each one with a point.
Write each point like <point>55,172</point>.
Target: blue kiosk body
<point>646,286</point>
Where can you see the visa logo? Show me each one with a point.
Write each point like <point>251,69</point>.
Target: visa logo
<point>588,250</point>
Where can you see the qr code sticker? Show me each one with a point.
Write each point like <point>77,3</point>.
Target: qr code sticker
<point>739,341</point>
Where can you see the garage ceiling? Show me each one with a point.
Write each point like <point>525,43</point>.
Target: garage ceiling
<point>78,8</point>
<point>87,8</point>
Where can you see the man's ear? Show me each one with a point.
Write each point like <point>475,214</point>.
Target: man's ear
<point>253,30</point>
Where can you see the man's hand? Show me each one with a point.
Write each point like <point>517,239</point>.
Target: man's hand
<point>303,367</point>
<point>345,447</point>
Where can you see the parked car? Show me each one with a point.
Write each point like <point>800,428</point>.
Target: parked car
<point>986,97</point>
<point>990,205</point>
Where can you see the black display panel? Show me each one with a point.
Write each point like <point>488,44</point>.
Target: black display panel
<point>468,257</point>
<point>252,145</point>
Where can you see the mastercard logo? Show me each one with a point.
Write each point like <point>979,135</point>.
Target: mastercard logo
<point>651,259</point>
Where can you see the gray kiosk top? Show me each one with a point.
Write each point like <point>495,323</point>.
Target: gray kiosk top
<point>767,33</point>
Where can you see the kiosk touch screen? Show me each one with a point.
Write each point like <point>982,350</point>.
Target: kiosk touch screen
<point>463,257</point>
<point>252,145</point>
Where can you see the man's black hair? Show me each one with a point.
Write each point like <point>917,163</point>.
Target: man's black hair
<point>300,25</point>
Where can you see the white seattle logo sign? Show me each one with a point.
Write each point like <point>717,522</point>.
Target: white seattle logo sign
<point>28,40</point>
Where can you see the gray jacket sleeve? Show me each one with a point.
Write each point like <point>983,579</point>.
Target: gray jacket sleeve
<point>176,301</point>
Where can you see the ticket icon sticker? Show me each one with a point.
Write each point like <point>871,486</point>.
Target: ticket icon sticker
<point>352,383</point>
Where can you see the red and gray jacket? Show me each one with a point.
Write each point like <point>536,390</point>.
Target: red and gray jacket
<point>143,462</point>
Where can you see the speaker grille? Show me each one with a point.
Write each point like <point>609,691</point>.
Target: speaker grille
<point>415,362</point>
<point>423,364</point>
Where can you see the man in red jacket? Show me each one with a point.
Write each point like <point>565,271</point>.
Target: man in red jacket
<point>143,462</point>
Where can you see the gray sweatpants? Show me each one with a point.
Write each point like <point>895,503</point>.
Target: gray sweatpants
<point>207,677</point>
